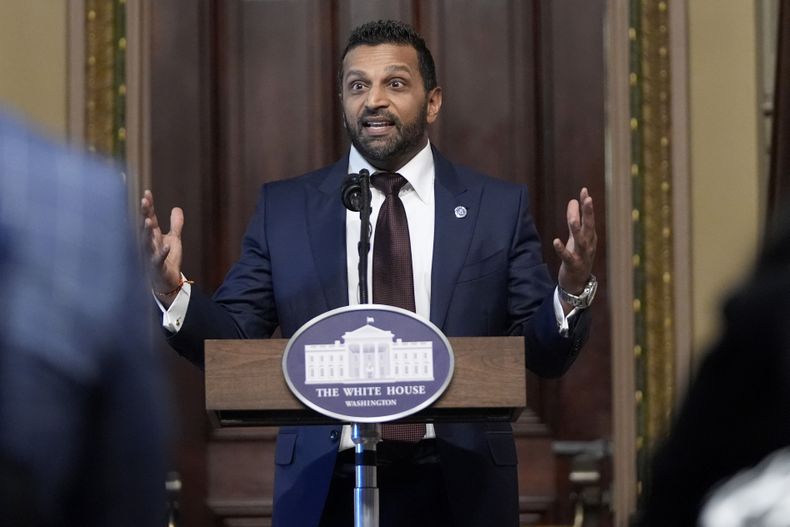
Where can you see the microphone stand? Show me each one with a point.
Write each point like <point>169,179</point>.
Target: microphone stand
<point>357,197</point>
<point>364,234</point>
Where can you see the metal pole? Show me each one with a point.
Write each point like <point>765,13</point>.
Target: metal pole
<point>366,493</point>
<point>364,234</point>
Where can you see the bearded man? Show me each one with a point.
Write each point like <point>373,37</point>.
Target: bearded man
<point>477,270</point>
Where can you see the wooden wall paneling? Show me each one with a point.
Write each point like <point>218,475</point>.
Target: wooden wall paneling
<point>487,61</point>
<point>180,176</point>
<point>229,136</point>
<point>525,73</point>
<point>180,135</point>
<point>241,484</point>
<point>537,493</point>
<point>277,117</point>
<point>351,13</point>
<point>573,124</point>
<point>481,59</point>
<point>489,116</point>
<point>276,91</point>
<point>574,146</point>
<point>538,118</point>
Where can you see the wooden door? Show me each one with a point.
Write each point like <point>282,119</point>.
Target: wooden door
<point>523,101</point>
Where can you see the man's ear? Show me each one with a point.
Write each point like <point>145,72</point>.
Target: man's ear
<point>434,104</point>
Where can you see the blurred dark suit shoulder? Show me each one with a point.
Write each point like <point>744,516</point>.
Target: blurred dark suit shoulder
<point>737,409</point>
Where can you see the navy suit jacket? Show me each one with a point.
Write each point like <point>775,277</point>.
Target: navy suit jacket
<point>488,278</point>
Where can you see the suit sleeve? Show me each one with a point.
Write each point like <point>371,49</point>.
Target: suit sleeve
<point>531,303</point>
<point>243,306</point>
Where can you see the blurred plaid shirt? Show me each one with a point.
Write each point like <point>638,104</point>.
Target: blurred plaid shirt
<point>81,407</point>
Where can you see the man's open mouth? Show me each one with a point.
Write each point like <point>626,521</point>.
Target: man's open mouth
<point>377,124</point>
<point>378,127</point>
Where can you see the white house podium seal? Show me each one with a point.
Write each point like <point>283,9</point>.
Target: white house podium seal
<point>368,363</point>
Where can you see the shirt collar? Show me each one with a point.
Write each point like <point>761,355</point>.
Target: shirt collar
<point>419,171</point>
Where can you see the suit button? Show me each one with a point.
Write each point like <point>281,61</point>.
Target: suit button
<point>333,435</point>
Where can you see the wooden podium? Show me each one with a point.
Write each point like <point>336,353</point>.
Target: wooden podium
<point>245,384</point>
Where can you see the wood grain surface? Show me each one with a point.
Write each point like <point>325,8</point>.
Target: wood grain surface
<point>244,378</point>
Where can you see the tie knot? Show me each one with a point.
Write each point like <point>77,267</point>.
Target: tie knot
<point>389,183</point>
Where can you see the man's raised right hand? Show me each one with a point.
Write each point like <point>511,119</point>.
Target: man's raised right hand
<point>162,252</point>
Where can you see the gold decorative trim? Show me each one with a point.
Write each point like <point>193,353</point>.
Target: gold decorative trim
<point>651,133</point>
<point>105,89</point>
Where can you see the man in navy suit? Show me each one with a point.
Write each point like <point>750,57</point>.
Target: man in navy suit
<point>477,270</point>
<point>82,406</point>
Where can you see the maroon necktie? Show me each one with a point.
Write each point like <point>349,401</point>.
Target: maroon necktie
<point>393,279</point>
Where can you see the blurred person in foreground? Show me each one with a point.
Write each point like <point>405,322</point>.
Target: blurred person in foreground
<point>736,413</point>
<point>81,407</point>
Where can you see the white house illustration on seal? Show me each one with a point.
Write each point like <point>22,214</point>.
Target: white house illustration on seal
<point>368,354</point>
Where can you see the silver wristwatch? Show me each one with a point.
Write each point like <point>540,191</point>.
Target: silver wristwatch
<point>583,299</point>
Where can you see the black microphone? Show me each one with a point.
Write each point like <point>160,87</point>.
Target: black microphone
<point>356,196</point>
<point>351,192</point>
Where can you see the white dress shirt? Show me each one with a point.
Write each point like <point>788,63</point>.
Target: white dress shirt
<point>417,198</point>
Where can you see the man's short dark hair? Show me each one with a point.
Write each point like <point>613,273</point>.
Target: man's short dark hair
<point>392,32</point>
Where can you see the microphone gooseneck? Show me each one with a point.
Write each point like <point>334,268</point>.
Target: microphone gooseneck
<point>356,197</point>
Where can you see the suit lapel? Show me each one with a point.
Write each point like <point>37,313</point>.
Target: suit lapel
<point>452,235</point>
<point>326,223</point>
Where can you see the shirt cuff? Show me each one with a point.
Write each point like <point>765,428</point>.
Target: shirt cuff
<point>173,317</point>
<point>562,319</point>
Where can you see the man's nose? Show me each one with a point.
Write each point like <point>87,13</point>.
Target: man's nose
<point>377,98</point>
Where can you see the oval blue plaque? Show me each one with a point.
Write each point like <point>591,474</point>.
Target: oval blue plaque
<point>369,363</point>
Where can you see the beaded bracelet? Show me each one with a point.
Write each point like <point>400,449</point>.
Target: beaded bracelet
<point>177,288</point>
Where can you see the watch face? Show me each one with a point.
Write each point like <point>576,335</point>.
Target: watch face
<point>589,291</point>
<point>585,298</point>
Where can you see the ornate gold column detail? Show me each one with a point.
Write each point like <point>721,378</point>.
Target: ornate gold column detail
<point>651,171</point>
<point>105,88</point>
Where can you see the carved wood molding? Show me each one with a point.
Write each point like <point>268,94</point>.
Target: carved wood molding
<point>241,508</point>
<point>138,107</point>
<point>252,433</point>
<point>529,424</point>
<point>621,287</point>
<point>531,508</point>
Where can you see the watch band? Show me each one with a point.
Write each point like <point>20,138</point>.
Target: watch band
<point>583,299</point>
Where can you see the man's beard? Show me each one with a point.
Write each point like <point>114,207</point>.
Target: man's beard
<point>381,150</point>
